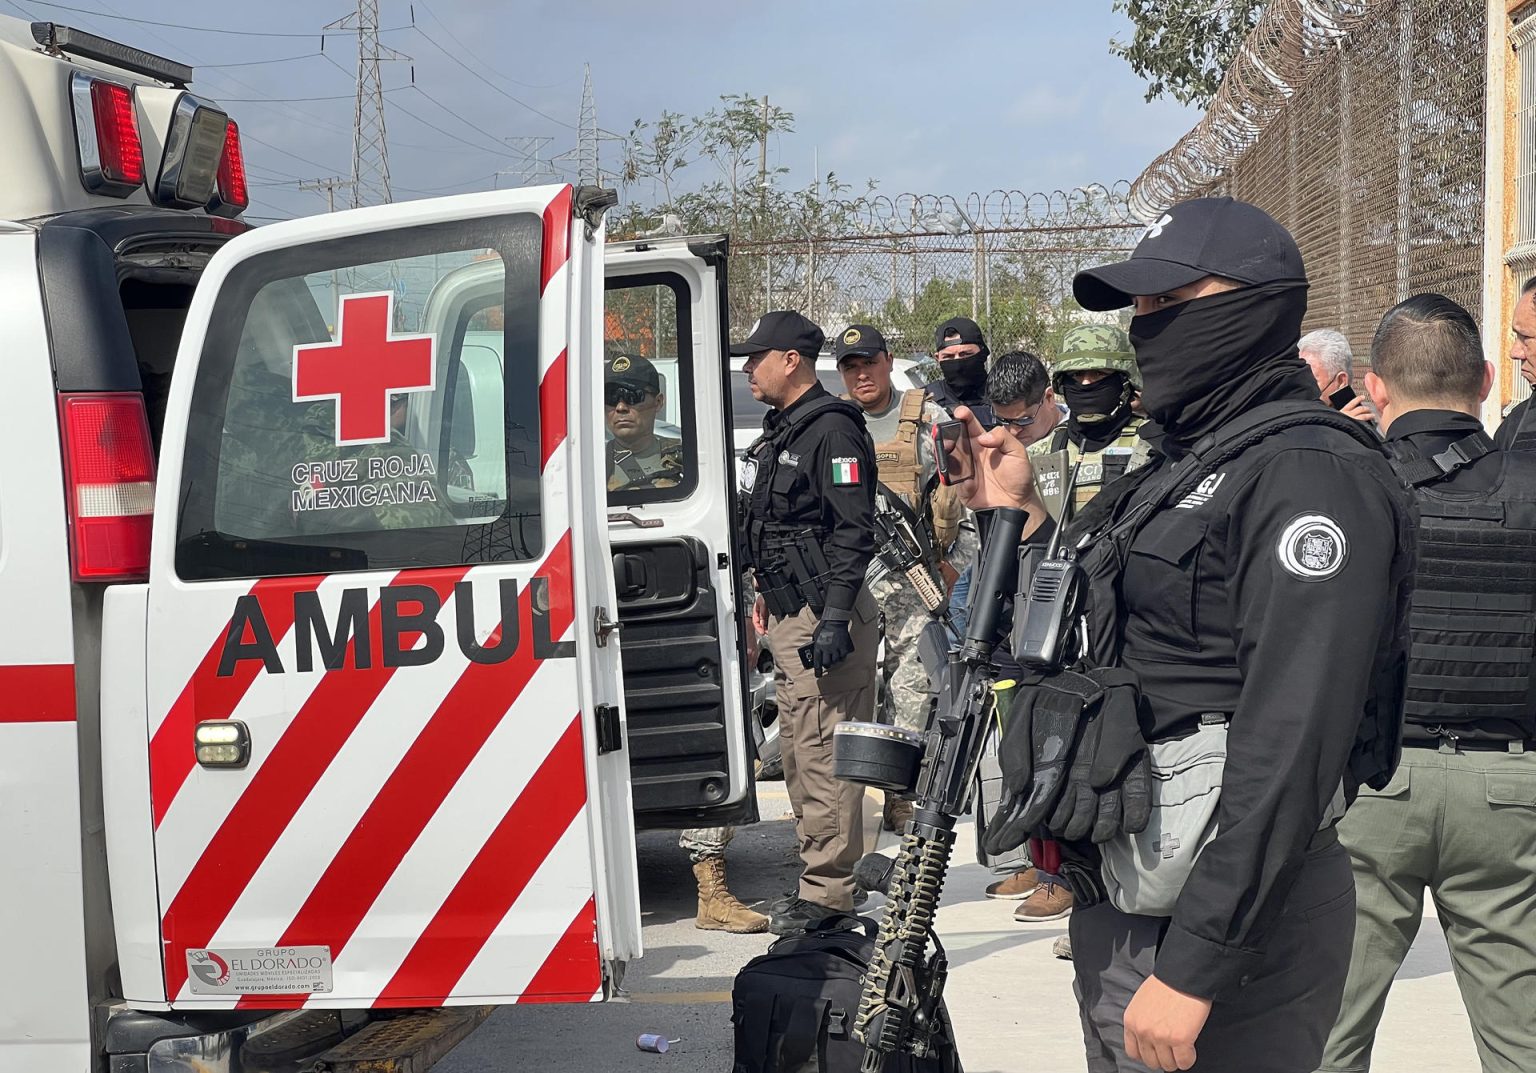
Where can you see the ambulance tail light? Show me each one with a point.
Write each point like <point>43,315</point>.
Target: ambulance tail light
<point>232,195</point>
<point>194,151</point>
<point>107,133</point>
<point>109,476</point>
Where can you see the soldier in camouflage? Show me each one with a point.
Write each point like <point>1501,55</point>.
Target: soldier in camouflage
<point>907,470</point>
<point>637,457</point>
<point>1096,375</point>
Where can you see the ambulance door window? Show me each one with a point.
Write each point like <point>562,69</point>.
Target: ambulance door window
<point>648,396</point>
<point>354,412</point>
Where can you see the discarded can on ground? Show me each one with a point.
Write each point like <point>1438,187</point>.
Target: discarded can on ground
<point>649,1041</point>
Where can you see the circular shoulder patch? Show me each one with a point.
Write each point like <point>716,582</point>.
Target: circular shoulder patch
<point>1313,547</point>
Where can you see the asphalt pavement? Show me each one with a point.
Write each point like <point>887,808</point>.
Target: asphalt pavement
<point>1011,1001</point>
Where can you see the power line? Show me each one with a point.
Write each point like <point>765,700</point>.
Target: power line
<point>370,142</point>
<point>293,100</point>
<point>246,136</point>
<point>259,63</point>
<point>491,67</point>
<point>500,150</point>
<point>515,100</point>
<point>194,29</point>
<point>456,115</point>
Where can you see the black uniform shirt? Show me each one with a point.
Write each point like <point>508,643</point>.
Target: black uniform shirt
<point>824,478</point>
<point>1265,594</point>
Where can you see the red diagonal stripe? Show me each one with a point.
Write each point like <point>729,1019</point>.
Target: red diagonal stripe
<point>207,696</point>
<point>495,879</point>
<point>37,693</point>
<point>436,760</point>
<point>557,237</point>
<point>571,972</point>
<point>277,789</point>
<point>552,406</point>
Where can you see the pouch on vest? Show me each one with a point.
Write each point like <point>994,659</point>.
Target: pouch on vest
<point>1144,873</point>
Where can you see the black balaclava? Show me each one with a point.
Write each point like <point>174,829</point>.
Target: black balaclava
<point>966,377</point>
<point>1096,412</point>
<point>1208,360</point>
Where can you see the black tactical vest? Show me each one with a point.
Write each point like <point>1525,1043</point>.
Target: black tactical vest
<point>941,393</point>
<point>763,460</point>
<point>1525,432</point>
<point>1474,601</point>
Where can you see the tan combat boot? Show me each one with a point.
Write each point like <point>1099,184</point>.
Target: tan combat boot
<point>718,908</point>
<point>896,814</point>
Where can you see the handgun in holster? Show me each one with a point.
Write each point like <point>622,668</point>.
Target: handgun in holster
<point>780,596</point>
<point>808,568</point>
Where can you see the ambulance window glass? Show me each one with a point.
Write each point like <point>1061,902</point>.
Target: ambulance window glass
<point>355,408</point>
<point>648,397</point>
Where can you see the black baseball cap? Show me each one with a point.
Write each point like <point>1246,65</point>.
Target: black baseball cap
<point>964,327</point>
<point>859,340</point>
<point>1209,236</point>
<point>783,329</point>
<point>633,370</point>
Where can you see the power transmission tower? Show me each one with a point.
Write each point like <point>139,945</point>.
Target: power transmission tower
<point>586,146</point>
<point>370,148</point>
<point>530,167</point>
<point>327,186</point>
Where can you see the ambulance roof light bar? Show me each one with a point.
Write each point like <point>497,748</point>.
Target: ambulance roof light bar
<point>63,39</point>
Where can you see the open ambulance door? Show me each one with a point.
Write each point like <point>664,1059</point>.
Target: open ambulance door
<point>671,512</point>
<point>385,761</point>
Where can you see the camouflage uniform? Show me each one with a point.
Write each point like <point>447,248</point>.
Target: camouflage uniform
<point>703,843</point>
<point>1089,347</point>
<point>906,466</point>
<point>660,467</point>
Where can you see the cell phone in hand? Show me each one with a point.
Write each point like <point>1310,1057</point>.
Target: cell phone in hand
<point>1342,397</point>
<point>807,655</point>
<point>952,449</point>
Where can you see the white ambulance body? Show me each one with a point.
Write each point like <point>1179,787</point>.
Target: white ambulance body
<point>311,704</point>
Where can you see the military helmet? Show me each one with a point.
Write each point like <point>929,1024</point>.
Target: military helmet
<point>1096,346</point>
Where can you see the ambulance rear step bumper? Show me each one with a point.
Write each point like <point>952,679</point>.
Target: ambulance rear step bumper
<point>410,1043</point>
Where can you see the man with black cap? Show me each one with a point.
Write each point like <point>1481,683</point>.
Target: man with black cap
<point>808,493</point>
<point>1269,534</point>
<point>898,421</point>
<point>637,457</point>
<point>961,351</point>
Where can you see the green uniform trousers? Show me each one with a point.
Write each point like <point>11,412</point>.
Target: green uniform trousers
<point>1461,825</point>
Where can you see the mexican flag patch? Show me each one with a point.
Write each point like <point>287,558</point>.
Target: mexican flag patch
<point>845,471</point>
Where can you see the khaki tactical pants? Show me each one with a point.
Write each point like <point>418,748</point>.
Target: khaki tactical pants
<point>829,815</point>
<point>1461,825</point>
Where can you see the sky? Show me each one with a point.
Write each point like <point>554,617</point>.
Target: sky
<point>938,96</point>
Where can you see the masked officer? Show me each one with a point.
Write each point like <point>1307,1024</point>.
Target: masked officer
<point>632,400</point>
<point>808,489</point>
<point>1097,376</point>
<point>898,421</point>
<point>1269,534</point>
<point>1457,816</point>
<point>961,351</point>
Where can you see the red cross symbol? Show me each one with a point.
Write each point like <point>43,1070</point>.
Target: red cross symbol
<point>364,366</point>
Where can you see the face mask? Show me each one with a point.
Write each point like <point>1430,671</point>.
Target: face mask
<point>1206,361</point>
<point>967,377</point>
<point>1095,403</point>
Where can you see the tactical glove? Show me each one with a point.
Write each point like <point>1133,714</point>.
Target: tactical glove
<point>1121,772</point>
<point>1076,809</point>
<point>1035,753</point>
<point>832,644</point>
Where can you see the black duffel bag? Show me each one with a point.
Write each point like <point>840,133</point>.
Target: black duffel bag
<point>793,1007</point>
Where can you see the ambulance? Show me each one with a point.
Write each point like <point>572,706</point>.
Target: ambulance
<point>315,740</point>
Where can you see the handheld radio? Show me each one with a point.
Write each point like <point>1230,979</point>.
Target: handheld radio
<point>1045,620</point>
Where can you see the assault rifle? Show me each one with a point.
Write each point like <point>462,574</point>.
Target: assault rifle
<point>904,548</point>
<point>899,1009</point>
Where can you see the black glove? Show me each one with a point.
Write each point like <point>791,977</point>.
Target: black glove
<point>1034,752</point>
<point>1076,809</point>
<point>1079,870</point>
<point>832,645</point>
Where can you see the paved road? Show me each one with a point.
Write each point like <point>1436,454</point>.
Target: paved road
<point>1010,1000</point>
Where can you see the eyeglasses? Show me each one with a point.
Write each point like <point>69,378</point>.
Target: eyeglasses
<point>613,394</point>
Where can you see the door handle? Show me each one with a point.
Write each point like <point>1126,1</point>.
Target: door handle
<point>603,626</point>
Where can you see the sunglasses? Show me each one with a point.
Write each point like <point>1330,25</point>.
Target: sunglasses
<point>614,394</point>
<point>1018,422</point>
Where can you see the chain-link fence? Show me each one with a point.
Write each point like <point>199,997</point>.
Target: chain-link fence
<point>1359,125</point>
<point>907,263</point>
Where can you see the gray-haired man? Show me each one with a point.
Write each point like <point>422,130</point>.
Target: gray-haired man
<point>1328,355</point>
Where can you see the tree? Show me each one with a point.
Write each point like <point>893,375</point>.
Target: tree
<point>1183,47</point>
